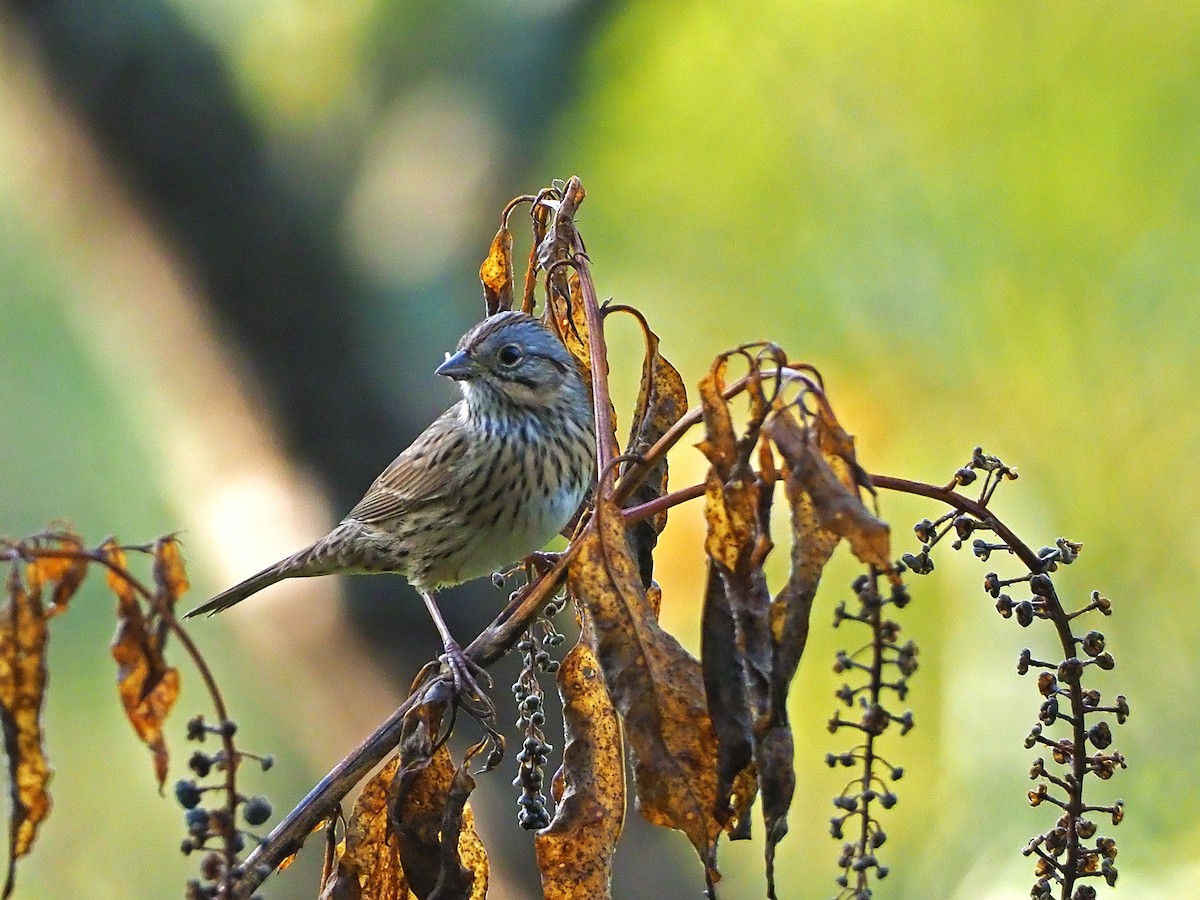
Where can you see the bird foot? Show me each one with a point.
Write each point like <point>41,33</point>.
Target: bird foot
<point>463,670</point>
<point>542,561</point>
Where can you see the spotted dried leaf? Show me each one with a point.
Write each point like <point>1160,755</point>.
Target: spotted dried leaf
<point>737,511</point>
<point>440,854</point>
<point>822,456</point>
<point>63,564</point>
<point>368,864</point>
<point>661,401</point>
<point>171,583</point>
<point>575,851</point>
<point>23,637</point>
<point>737,784</point>
<point>496,273</point>
<point>655,685</point>
<point>147,686</point>
<point>822,460</point>
<point>565,315</point>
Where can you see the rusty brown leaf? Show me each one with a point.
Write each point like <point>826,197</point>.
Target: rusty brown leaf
<point>737,784</point>
<point>737,619</point>
<point>23,637</point>
<point>439,851</point>
<point>655,685</point>
<point>575,851</point>
<point>411,833</point>
<point>661,401</point>
<point>539,219</point>
<point>822,461</point>
<point>147,686</point>
<point>496,273</point>
<point>68,570</point>
<point>368,865</point>
<point>565,316</point>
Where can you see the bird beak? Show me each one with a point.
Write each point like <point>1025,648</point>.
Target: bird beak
<point>460,366</point>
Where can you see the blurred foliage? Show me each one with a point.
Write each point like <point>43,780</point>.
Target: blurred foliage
<point>981,221</point>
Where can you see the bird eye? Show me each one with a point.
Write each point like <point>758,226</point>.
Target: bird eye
<point>509,355</point>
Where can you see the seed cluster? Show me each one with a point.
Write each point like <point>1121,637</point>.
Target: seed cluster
<point>535,751</point>
<point>214,829</point>
<point>876,659</point>
<point>1070,852</point>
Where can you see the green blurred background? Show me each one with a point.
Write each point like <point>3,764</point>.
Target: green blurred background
<point>236,236</point>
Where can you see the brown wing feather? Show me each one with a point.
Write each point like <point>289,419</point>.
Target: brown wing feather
<point>413,479</point>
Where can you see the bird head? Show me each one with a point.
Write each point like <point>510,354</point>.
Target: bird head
<point>514,359</point>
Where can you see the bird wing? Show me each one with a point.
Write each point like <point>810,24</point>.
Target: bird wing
<point>426,471</point>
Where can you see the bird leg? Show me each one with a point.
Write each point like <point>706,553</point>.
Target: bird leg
<point>462,669</point>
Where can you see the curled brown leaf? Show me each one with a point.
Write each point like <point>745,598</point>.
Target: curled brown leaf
<point>737,611</point>
<point>23,637</point>
<point>661,402</point>
<point>496,273</point>
<point>575,851</point>
<point>655,685</point>
<point>368,864</point>
<point>146,685</point>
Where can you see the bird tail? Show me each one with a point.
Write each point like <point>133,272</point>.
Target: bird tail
<point>240,592</point>
<point>321,558</point>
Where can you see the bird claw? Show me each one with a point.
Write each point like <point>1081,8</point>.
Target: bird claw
<point>542,561</point>
<point>463,671</point>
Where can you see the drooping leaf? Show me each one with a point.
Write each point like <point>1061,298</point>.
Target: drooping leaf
<point>368,865</point>
<point>655,685</point>
<point>737,511</point>
<point>411,833</point>
<point>539,220</point>
<point>147,686</point>
<point>661,401</point>
<point>23,637</point>
<point>822,458</point>
<point>68,570</point>
<point>575,851</point>
<point>729,710</point>
<point>566,317</point>
<point>462,858</point>
<point>812,547</point>
<point>496,273</point>
<point>171,583</point>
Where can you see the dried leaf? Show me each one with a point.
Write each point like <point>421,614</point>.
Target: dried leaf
<point>566,317</point>
<point>420,811</point>
<point>439,852</point>
<point>368,865</point>
<point>462,857</point>
<point>728,709</point>
<point>496,273</point>
<point>540,217</point>
<point>68,570</point>
<point>23,636</point>
<point>737,511</point>
<point>147,686</point>
<point>171,583</point>
<point>655,685</point>
<point>575,851</point>
<point>661,401</point>
<point>823,462</point>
